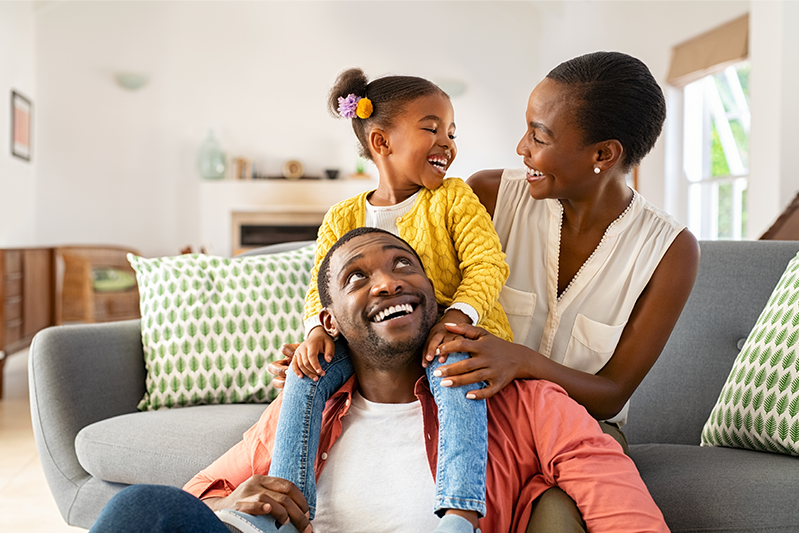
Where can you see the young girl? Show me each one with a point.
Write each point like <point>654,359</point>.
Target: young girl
<point>405,125</point>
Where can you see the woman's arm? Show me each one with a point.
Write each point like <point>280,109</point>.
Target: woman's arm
<point>604,394</point>
<point>485,185</point>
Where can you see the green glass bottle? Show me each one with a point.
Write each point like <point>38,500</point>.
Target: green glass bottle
<point>211,161</point>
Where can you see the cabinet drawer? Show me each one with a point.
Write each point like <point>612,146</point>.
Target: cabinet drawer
<point>13,331</point>
<point>13,286</point>
<point>13,262</point>
<point>13,308</point>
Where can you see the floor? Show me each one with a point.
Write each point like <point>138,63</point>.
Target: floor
<point>26,504</point>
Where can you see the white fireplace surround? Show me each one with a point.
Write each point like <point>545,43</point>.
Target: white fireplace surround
<point>228,203</point>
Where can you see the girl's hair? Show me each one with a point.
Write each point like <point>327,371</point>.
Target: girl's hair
<point>615,97</point>
<point>388,95</point>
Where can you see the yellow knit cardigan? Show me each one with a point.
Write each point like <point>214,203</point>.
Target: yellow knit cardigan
<point>451,231</point>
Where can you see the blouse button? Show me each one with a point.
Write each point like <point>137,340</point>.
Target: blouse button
<point>324,456</point>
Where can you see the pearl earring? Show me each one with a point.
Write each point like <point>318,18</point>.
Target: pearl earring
<point>596,170</point>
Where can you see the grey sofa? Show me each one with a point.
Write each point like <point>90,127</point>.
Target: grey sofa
<point>85,382</point>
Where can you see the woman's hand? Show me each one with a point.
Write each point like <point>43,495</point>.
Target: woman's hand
<point>261,495</point>
<point>493,360</point>
<point>306,356</point>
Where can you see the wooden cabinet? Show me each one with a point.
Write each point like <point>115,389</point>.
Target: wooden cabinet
<point>26,298</point>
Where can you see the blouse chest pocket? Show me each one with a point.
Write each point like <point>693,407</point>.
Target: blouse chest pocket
<point>519,307</point>
<point>591,344</point>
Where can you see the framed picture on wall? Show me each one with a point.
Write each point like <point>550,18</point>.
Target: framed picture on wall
<point>21,111</point>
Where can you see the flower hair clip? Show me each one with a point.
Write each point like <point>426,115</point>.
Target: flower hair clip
<point>354,106</point>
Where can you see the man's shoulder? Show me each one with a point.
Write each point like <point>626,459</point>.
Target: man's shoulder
<point>522,395</point>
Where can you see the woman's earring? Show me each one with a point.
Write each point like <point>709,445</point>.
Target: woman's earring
<point>596,170</point>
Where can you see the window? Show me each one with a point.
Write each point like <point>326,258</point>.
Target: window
<point>715,152</point>
<point>707,131</point>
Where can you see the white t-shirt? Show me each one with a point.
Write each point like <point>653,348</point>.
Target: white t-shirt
<point>377,477</point>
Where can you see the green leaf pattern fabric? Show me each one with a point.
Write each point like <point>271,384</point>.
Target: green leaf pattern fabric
<point>210,325</point>
<point>758,408</point>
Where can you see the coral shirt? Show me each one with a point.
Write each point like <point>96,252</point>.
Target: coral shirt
<point>538,438</point>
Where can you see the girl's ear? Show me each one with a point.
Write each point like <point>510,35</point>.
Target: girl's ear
<point>607,154</point>
<point>328,322</point>
<point>378,142</point>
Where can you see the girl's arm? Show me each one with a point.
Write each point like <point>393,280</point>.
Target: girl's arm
<point>305,359</point>
<point>482,261</point>
<point>604,393</point>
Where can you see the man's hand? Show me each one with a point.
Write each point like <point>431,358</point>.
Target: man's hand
<point>261,495</point>
<point>439,335</point>
<point>278,368</point>
<point>306,356</point>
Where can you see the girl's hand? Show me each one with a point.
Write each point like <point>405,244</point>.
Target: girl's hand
<point>493,360</point>
<point>439,335</point>
<point>306,356</point>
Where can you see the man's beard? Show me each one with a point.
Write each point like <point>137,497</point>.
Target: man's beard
<point>379,353</point>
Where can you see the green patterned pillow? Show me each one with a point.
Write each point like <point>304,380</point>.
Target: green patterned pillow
<point>210,325</point>
<point>758,407</point>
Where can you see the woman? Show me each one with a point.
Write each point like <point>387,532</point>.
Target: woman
<point>598,276</point>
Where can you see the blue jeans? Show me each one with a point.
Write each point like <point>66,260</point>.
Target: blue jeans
<point>462,437</point>
<point>155,509</point>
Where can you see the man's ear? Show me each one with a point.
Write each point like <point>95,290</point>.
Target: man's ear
<point>329,322</point>
<point>378,142</point>
<point>607,154</point>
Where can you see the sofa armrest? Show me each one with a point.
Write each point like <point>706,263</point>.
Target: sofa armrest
<point>79,375</point>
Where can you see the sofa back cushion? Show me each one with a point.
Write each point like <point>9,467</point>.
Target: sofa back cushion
<point>734,283</point>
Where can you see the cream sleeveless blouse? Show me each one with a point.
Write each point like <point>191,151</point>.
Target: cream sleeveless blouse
<point>582,329</point>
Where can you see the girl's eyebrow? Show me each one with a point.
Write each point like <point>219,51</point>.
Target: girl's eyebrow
<point>434,118</point>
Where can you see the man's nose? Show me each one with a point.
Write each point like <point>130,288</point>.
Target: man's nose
<point>386,283</point>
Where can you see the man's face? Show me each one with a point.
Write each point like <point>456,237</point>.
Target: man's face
<point>382,300</point>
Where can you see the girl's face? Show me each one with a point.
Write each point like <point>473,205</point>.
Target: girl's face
<point>559,163</point>
<point>422,143</point>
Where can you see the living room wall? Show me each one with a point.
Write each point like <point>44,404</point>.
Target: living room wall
<point>17,177</point>
<point>116,166</point>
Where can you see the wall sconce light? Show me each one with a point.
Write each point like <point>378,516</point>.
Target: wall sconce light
<point>454,88</point>
<point>131,81</point>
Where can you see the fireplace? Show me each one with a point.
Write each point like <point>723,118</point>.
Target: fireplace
<point>252,229</point>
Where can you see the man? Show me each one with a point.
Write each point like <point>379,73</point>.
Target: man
<point>369,479</point>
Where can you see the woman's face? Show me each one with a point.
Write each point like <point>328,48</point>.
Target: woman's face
<point>559,163</point>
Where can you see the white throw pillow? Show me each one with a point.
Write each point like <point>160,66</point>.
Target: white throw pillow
<point>210,325</point>
<point>758,408</point>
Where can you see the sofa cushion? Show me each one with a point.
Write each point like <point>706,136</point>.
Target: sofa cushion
<point>702,489</point>
<point>210,325</point>
<point>162,447</point>
<point>758,407</point>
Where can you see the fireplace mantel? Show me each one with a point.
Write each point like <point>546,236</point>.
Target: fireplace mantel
<point>220,199</point>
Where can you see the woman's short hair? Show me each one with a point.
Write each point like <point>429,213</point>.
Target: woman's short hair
<point>615,97</point>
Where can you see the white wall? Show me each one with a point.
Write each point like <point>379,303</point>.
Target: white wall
<point>774,52</point>
<point>118,167</point>
<point>647,30</point>
<point>17,177</point>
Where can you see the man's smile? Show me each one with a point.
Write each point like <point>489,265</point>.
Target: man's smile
<point>395,311</point>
